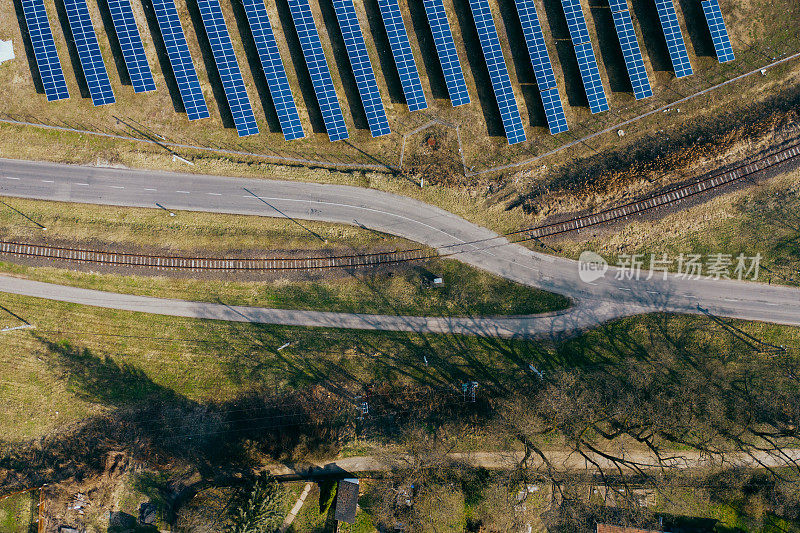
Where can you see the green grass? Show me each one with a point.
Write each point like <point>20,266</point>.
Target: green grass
<point>761,220</point>
<point>15,513</point>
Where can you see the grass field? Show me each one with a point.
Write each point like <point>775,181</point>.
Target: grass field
<point>761,32</point>
<point>16,513</point>
<point>749,221</point>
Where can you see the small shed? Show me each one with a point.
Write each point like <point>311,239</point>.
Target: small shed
<point>6,51</point>
<point>347,500</point>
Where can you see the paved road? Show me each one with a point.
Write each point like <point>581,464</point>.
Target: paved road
<point>561,461</point>
<point>604,299</point>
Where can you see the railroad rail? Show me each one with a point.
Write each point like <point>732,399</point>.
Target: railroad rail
<point>166,262</point>
<point>706,183</point>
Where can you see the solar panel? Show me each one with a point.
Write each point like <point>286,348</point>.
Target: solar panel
<point>542,67</point>
<point>403,56</point>
<point>318,68</point>
<point>131,44</point>
<point>674,37</point>
<point>719,33</point>
<point>274,70</point>
<point>44,49</point>
<point>498,71</point>
<point>618,5</point>
<point>228,67</point>
<point>180,59</point>
<point>587,63</point>
<point>446,48</point>
<point>362,67</point>
<point>94,70</point>
<point>632,54</point>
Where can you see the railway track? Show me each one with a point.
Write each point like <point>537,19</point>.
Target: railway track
<point>707,183</point>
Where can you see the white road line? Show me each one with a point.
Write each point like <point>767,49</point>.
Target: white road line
<point>183,192</point>
<point>213,194</point>
<point>152,190</point>
<point>48,181</point>
<point>10,178</point>
<point>84,184</point>
<point>116,186</point>
<point>623,288</point>
<point>730,299</point>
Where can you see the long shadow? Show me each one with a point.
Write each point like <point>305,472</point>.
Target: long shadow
<point>480,72</point>
<point>256,69</point>
<point>522,63</point>
<point>163,58</point>
<point>113,39</point>
<point>211,65</point>
<point>26,42</point>
<point>653,36</point>
<point>384,49</point>
<point>300,67</point>
<point>427,49</point>
<point>610,50</point>
<point>343,65</point>
<point>576,94</point>
<point>697,28</point>
<point>74,57</point>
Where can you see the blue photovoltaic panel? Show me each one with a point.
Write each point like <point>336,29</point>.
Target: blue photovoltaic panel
<point>632,54</point>
<point>591,77</point>
<point>403,56</point>
<point>719,33</point>
<point>498,71</point>
<point>618,5</point>
<point>131,44</point>
<point>362,67</point>
<point>274,70</point>
<point>44,49</point>
<point>587,63</point>
<point>674,37</point>
<point>228,67</point>
<point>318,68</point>
<point>446,48</point>
<point>180,60</point>
<point>542,67</point>
<point>94,70</point>
<point>554,111</point>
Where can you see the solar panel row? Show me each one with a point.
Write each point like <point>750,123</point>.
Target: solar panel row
<point>674,37</point>
<point>632,53</point>
<point>44,50</point>
<point>94,70</point>
<point>131,44</point>
<point>274,71</point>
<point>228,67</point>
<point>542,67</point>
<point>446,49</point>
<point>587,63</point>
<point>498,71</point>
<point>362,67</point>
<point>318,69</point>
<point>180,59</point>
<point>719,33</point>
<point>403,56</point>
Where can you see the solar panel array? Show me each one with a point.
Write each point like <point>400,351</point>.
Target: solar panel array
<point>446,48</point>
<point>674,37</point>
<point>630,49</point>
<point>587,63</point>
<point>44,50</point>
<point>318,68</point>
<point>542,67</point>
<point>362,67</point>
<point>498,71</point>
<point>180,59</point>
<point>131,44</point>
<point>94,70</point>
<point>228,67</point>
<point>719,33</point>
<point>403,56</point>
<point>274,70</point>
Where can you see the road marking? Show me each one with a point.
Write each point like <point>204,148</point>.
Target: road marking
<point>214,194</point>
<point>183,192</point>
<point>10,178</point>
<point>116,186</point>
<point>623,289</point>
<point>152,190</point>
<point>48,181</point>
<point>653,292</point>
<point>84,184</point>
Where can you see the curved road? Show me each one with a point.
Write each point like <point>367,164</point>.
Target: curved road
<point>604,299</point>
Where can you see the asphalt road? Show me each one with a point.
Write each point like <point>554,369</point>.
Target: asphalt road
<point>604,299</point>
